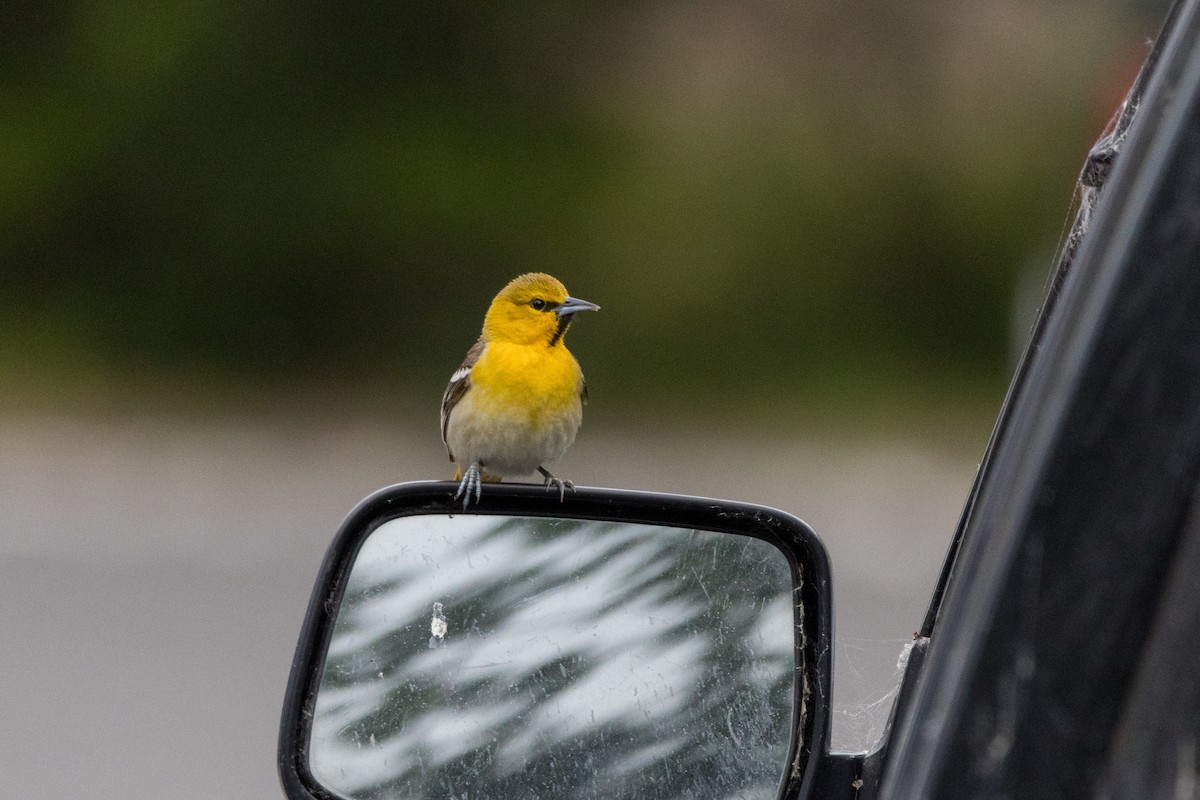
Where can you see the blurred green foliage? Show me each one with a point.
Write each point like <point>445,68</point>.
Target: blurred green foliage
<point>796,202</point>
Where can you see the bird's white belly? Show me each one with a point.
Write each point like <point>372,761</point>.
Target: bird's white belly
<point>508,441</point>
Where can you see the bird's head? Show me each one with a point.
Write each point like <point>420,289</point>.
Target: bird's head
<point>533,308</point>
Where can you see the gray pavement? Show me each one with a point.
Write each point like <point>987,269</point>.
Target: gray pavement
<point>154,573</point>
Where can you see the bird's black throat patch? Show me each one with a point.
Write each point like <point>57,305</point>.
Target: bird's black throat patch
<point>563,323</point>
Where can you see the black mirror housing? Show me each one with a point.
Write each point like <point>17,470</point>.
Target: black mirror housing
<point>675,562</point>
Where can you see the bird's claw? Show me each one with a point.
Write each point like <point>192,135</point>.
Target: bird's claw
<point>472,483</point>
<point>553,481</point>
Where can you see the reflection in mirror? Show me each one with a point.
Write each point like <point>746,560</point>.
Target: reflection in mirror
<point>524,657</point>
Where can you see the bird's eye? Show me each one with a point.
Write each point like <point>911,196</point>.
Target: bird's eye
<point>538,303</point>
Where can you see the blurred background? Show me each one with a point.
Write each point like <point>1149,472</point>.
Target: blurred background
<point>243,246</point>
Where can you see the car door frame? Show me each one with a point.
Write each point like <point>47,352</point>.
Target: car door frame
<point>1059,583</point>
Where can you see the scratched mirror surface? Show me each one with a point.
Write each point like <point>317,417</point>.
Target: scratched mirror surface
<point>502,657</point>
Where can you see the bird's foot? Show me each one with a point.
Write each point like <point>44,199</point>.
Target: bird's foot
<point>472,483</point>
<point>553,481</point>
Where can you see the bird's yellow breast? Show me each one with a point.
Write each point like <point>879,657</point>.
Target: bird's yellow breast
<point>533,381</point>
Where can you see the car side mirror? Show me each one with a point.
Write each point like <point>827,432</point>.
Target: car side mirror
<point>611,645</point>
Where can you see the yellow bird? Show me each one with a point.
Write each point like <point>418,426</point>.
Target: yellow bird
<point>515,404</point>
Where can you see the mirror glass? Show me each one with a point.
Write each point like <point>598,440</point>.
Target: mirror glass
<point>479,656</point>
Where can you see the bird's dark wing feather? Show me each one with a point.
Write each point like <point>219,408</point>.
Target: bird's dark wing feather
<point>460,382</point>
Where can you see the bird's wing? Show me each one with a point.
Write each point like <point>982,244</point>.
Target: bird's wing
<point>460,382</point>
<point>583,398</point>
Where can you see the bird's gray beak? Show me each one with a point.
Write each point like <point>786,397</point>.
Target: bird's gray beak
<point>572,304</point>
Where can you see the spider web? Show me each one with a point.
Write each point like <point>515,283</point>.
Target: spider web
<point>867,674</point>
